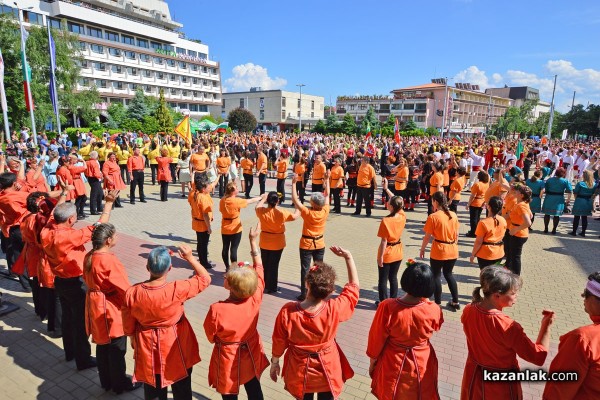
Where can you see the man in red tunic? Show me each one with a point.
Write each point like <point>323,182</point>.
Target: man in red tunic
<point>64,248</point>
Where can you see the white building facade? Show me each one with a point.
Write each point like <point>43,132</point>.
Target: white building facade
<point>131,44</point>
<point>274,109</point>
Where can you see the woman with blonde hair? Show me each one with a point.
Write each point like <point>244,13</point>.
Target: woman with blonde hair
<point>584,192</point>
<point>484,323</point>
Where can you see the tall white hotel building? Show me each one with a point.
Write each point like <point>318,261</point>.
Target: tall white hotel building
<point>131,44</point>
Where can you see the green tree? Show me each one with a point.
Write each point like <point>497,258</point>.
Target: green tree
<point>332,124</point>
<point>348,125</point>
<point>67,74</point>
<point>138,107</point>
<point>242,120</point>
<point>82,105</point>
<point>150,125</point>
<point>372,119</point>
<point>131,125</point>
<point>387,128</point>
<point>117,113</point>
<point>163,115</point>
<point>431,131</point>
<point>408,126</point>
<point>320,127</point>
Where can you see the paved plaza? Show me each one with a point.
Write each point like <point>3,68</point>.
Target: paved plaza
<point>555,269</point>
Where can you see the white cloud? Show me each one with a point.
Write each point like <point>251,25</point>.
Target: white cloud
<point>586,82</point>
<point>250,75</point>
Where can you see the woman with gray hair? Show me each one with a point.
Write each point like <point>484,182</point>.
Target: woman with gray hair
<point>312,244</point>
<point>154,316</point>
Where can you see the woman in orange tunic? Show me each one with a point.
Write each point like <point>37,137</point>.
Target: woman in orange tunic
<point>579,351</point>
<point>164,173</point>
<point>475,204</point>
<point>272,220</point>
<point>389,253</point>
<point>107,282</point>
<point>164,343</point>
<point>81,197</point>
<point>484,323</point>
<point>401,181</point>
<point>403,362</point>
<point>456,188</point>
<point>247,169</point>
<point>518,223</point>
<point>442,226</point>
<point>223,165</point>
<point>488,246</point>
<point>64,174</point>
<point>305,331</point>
<point>436,183</point>
<point>231,224</point>
<point>300,171</point>
<point>112,176</point>
<point>238,357</point>
<point>36,181</point>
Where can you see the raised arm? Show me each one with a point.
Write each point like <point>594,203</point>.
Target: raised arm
<point>254,249</point>
<point>386,188</point>
<point>294,194</point>
<point>351,268</point>
<point>185,252</point>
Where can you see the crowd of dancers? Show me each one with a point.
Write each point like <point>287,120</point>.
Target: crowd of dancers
<point>87,293</point>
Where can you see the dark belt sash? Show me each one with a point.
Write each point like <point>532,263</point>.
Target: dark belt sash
<point>394,243</point>
<point>555,194</point>
<point>493,243</point>
<point>313,238</point>
<point>443,242</point>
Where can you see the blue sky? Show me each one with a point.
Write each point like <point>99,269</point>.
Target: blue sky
<point>368,47</point>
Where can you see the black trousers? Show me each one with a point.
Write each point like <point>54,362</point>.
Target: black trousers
<point>307,257</point>
<point>429,205</point>
<point>138,180</point>
<point>271,260</point>
<point>230,248</point>
<point>71,292</point>
<point>248,182</point>
<point>363,194</point>
<point>39,306</point>
<point>445,266</point>
<point>337,201</point>
<point>53,309</point>
<point>351,193</point>
<point>301,190</point>
<point>320,396</point>
<point>584,223</point>
<point>173,168</point>
<point>154,172</point>
<point>474,216</point>
<point>80,204</point>
<point>223,180</point>
<point>482,262</point>
<point>253,391</point>
<point>164,190</point>
<point>202,239</point>
<point>317,188</point>
<point>262,179</point>
<point>124,173</point>
<point>388,273</point>
<point>513,261</point>
<point>281,188</point>
<point>454,206</point>
<point>14,246</point>
<point>96,195</point>
<point>111,364</point>
<point>182,390</point>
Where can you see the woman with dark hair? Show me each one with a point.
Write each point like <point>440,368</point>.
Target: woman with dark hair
<point>153,154</point>
<point>442,226</point>
<point>403,361</point>
<point>247,171</point>
<point>401,181</point>
<point>488,246</point>
<point>389,253</point>
<point>484,323</point>
<point>223,164</point>
<point>164,173</point>
<point>554,202</point>
<point>305,331</point>
<point>154,316</point>
<point>112,177</point>
<point>518,223</point>
<point>80,193</point>
<point>231,224</point>
<point>202,215</point>
<point>456,188</point>
<point>436,182</point>
<point>272,236</point>
<point>536,184</point>
<point>63,174</point>
<point>584,192</point>
<point>107,282</point>
<point>578,351</point>
<point>475,203</point>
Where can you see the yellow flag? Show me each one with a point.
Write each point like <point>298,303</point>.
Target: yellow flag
<point>184,130</point>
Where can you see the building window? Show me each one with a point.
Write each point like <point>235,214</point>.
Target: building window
<point>195,94</point>
<point>75,28</point>
<point>262,115</point>
<point>148,89</point>
<point>204,82</point>
<point>148,73</point>
<point>223,104</point>
<point>128,40</point>
<point>54,23</point>
<point>421,106</point>
<point>158,60</point>
<point>213,71</point>
<point>194,67</point>
<point>282,114</point>
<point>420,118</point>
<point>101,83</point>
<point>112,36</point>
<point>130,55</point>
<point>155,45</point>
<point>241,103</point>
<point>195,81</point>
<point>168,48</point>
<point>184,79</point>
<point>312,114</point>
<point>172,77</point>
<point>193,107</point>
<point>96,48</point>
<point>312,105</point>
<point>202,108</point>
<point>85,82</point>
<point>145,58</point>
<point>170,63</point>
<point>82,46</point>
<point>133,86</point>
<point>143,43</point>
<point>173,91</point>
<point>181,51</point>
<point>117,69</point>
<point>114,52</point>
<point>205,70</point>
<point>161,75</point>
<point>83,63</point>
<point>94,32</point>
<point>214,84</point>
<point>283,102</point>
<point>352,106</point>
<point>133,71</point>
<point>118,85</point>
<point>182,65</point>
<point>410,106</point>
<point>184,92</point>
<point>362,106</point>
<point>192,53</point>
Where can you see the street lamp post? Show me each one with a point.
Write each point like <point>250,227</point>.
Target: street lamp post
<point>300,85</point>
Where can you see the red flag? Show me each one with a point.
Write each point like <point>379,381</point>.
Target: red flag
<point>370,150</point>
<point>397,132</point>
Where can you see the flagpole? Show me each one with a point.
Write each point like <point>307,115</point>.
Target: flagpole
<point>33,130</point>
<point>550,120</point>
<point>55,99</point>
<point>3,101</point>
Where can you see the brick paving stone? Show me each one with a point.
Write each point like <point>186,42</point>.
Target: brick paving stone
<point>555,268</point>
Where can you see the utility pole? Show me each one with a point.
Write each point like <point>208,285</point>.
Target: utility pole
<point>551,119</point>
<point>300,85</point>
<point>573,101</point>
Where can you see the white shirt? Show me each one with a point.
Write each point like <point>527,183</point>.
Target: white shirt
<point>478,161</point>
